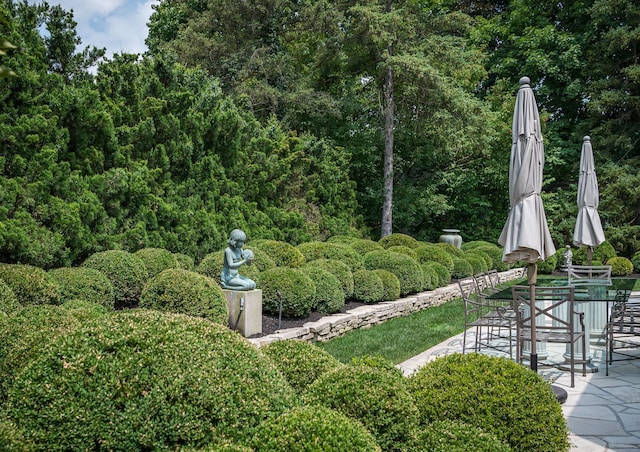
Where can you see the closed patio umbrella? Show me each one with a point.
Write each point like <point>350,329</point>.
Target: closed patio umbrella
<point>525,236</point>
<point>588,231</point>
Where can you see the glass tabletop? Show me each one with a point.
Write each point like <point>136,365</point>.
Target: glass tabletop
<point>594,292</point>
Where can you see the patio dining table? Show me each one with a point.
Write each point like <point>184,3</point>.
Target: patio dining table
<point>593,299</point>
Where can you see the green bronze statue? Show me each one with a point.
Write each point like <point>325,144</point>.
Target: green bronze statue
<point>234,258</point>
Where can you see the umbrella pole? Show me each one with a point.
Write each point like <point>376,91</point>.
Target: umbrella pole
<point>532,276</point>
<point>589,255</point>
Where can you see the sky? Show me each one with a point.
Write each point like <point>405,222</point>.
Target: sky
<point>117,25</point>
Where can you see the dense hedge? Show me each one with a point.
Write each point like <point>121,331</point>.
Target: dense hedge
<point>283,254</point>
<point>398,239</point>
<point>431,279</point>
<point>300,362</point>
<point>364,246</point>
<point>406,269</point>
<point>433,253</point>
<point>374,396</point>
<point>340,271</point>
<point>329,297</point>
<point>8,301</point>
<point>313,429</point>
<point>367,287</point>
<point>126,272</point>
<point>461,268</point>
<point>508,400</point>
<point>444,275</point>
<point>620,266</point>
<point>330,250</point>
<point>453,436</point>
<point>156,259</point>
<point>297,290</point>
<point>184,262</point>
<point>186,292</point>
<point>85,284</point>
<point>145,380</point>
<point>31,285</point>
<point>390,285</point>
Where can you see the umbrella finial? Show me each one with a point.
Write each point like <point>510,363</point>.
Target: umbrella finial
<point>586,138</point>
<point>525,81</point>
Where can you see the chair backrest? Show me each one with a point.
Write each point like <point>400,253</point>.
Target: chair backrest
<point>469,291</point>
<point>494,278</point>
<point>584,275</point>
<point>482,282</point>
<point>552,306</point>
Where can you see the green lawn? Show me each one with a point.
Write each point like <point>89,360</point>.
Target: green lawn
<point>401,338</point>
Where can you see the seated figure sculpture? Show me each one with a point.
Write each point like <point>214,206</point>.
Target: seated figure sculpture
<point>234,258</point>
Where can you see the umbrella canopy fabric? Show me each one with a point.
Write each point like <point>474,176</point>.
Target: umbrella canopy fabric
<point>525,236</point>
<point>588,230</point>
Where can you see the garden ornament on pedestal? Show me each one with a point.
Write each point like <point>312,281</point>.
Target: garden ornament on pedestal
<point>234,258</point>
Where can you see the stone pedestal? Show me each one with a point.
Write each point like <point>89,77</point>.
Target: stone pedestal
<point>245,311</point>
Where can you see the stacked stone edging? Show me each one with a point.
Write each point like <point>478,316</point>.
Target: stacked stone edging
<point>367,316</point>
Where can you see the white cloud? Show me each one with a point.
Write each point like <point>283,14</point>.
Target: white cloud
<point>117,25</point>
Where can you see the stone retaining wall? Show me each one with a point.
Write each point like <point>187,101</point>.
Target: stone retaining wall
<point>367,316</point>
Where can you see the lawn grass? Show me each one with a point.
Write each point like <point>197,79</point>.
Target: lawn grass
<point>401,338</point>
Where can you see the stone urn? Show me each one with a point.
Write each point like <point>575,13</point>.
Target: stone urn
<point>452,237</point>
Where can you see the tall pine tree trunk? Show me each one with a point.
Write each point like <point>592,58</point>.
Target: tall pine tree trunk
<point>389,117</point>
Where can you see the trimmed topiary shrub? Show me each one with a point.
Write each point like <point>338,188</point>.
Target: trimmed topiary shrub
<point>461,268</point>
<point>23,334</point>
<point>156,260</point>
<point>406,269</point>
<point>84,283</point>
<point>186,292</point>
<point>313,429</point>
<point>297,289</point>
<point>282,254</point>
<point>367,287</point>
<point>495,253</point>
<point>300,362</point>
<point>146,380</point>
<point>474,244</point>
<point>620,266</point>
<point>8,301</point>
<point>184,262</point>
<point>477,263</point>
<point>379,362</point>
<point>398,239</point>
<point>390,285</point>
<point>433,253</point>
<point>601,253</point>
<point>488,262</point>
<point>431,279</point>
<point>329,297</point>
<point>508,400</point>
<point>364,246</point>
<point>449,248</point>
<point>374,396</point>
<point>11,439</point>
<point>411,252</point>
<point>455,436</point>
<point>327,250</point>
<point>635,260</point>
<point>30,285</point>
<point>340,271</point>
<point>126,272</point>
<point>444,275</point>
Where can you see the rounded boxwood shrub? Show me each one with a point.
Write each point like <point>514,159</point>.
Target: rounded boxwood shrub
<point>635,260</point>
<point>601,253</point>
<point>620,266</point>
<point>300,362</point>
<point>297,290</point>
<point>495,253</point>
<point>313,429</point>
<point>485,257</point>
<point>282,254</point>
<point>30,285</point>
<point>329,250</point>
<point>340,270</point>
<point>25,332</point>
<point>84,283</point>
<point>186,292</point>
<point>455,436</point>
<point>547,266</point>
<point>375,396</point>
<point>449,248</point>
<point>444,275</point>
<point>146,380</point>
<point>329,297</point>
<point>11,438</point>
<point>406,269</point>
<point>126,272</point>
<point>433,253</point>
<point>495,394</point>
<point>398,239</point>
<point>8,301</point>
<point>431,278</point>
<point>390,285</point>
<point>461,268</point>
<point>404,250</point>
<point>367,287</point>
<point>364,246</point>
<point>156,260</point>
<point>184,262</point>
<point>477,263</point>
<point>473,244</point>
